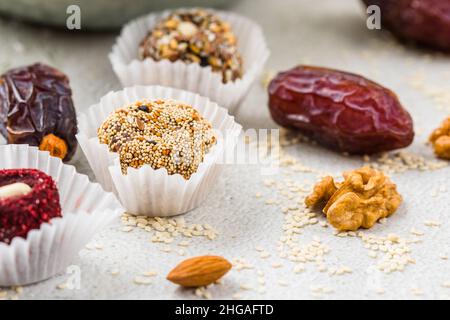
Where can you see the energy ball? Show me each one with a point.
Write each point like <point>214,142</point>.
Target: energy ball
<point>28,198</point>
<point>36,108</point>
<point>162,133</point>
<point>195,36</point>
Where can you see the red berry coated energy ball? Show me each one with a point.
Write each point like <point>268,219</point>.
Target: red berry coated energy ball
<point>426,22</point>
<point>36,108</point>
<point>28,198</point>
<point>340,110</point>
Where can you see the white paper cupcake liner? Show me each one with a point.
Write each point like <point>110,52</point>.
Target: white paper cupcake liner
<point>192,77</point>
<point>86,209</point>
<point>146,191</point>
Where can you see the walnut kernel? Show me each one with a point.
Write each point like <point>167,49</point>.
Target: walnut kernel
<point>365,196</point>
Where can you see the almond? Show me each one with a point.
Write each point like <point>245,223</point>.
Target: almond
<point>199,271</point>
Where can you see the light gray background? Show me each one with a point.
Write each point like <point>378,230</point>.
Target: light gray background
<point>330,33</point>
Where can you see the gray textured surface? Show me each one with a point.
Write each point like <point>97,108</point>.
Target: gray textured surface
<point>97,15</point>
<point>331,34</point>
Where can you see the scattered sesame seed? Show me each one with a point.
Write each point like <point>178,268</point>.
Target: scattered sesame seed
<point>277,265</point>
<point>61,286</point>
<point>237,296</point>
<point>432,223</point>
<point>342,234</point>
<point>142,281</point>
<point>416,291</point>
<point>246,287</point>
<point>241,264</point>
<point>324,224</point>
<point>394,238</point>
<point>283,283</point>
<point>264,255</point>
<point>380,291</point>
<point>415,232</point>
<point>166,249</point>
<point>115,272</point>
<point>150,273</point>
<point>184,243</point>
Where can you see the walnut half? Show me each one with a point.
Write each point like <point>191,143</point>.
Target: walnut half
<point>365,196</point>
<point>440,139</point>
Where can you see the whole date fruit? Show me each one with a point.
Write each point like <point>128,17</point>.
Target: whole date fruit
<point>340,110</point>
<point>426,22</point>
<point>36,108</point>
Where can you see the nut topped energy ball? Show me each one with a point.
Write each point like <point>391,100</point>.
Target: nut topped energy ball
<point>161,133</point>
<point>195,36</point>
<point>28,198</point>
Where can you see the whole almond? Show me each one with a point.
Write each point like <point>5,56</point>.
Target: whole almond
<point>199,271</point>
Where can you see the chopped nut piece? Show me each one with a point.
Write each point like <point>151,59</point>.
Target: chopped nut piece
<point>440,139</point>
<point>365,197</point>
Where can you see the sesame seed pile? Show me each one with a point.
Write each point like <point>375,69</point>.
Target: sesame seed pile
<point>195,36</point>
<point>402,161</point>
<point>392,162</point>
<point>167,230</point>
<point>395,251</point>
<point>438,95</point>
<point>161,133</point>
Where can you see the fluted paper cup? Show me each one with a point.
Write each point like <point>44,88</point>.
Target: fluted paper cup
<point>86,209</point>
<point>192,77</point>
<point>146,191</point>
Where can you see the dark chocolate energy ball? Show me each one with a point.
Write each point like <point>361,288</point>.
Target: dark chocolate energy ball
<point>36,108</point>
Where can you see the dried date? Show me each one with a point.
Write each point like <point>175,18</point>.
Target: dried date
<point>340,110</point>
<point>426,22</point>
<point>36,108</point>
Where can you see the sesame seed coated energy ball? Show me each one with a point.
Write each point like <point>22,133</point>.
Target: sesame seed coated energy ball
<point>195,36</point>
<point>161,133</point>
